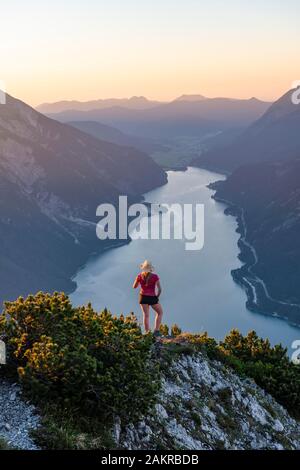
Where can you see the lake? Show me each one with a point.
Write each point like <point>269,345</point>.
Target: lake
<point>199,293</point>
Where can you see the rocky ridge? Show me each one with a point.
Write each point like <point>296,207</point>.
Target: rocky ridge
<point>204,405</point>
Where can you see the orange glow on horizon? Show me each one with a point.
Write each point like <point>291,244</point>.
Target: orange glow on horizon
<point>52,51</point>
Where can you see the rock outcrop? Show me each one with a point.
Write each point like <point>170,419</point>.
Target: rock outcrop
<point>17,418</point>
<point>205,406</point>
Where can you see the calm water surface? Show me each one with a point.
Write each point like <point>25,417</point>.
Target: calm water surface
<point>198,291</point>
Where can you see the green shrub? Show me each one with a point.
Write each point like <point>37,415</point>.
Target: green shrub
<point>175,330</point>
<point>251,347</point>
<point>269,366</point>
<point>67,429</point>
<point>164,329</point>
<point>203,341</point>
<point>80,358</point>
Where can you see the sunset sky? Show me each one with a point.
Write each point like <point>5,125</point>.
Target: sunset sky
<point>75,49</point>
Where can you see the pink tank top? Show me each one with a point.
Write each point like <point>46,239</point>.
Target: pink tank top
<point>148,285</point>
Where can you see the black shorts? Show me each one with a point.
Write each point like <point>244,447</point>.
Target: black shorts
<point>148,299</point>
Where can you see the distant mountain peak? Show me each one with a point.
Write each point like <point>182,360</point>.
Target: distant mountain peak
<point>191,98</point>
<point>138,98</point>
<point>134,102</point>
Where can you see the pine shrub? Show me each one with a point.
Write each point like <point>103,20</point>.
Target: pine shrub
<point>268,365</point>
<point>175,330</point>
<point>77,357</point>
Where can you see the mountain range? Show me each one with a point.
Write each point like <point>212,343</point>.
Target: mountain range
<point>53,177</point>
<point>275,136</point>
<point>263,191</point>
<point>135,102</point>
<point>186,116</point>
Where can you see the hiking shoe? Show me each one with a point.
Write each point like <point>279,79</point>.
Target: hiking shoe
<point>157,334</point>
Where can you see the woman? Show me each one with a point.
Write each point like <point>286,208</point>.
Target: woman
<point>149,295</point>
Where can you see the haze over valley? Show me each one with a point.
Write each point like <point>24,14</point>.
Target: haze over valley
<point>53,178</point>
<point>219,134</point>
<point>149,230</point>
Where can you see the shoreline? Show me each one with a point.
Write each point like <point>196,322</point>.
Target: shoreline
<point>258,298</point>
<point>213,169</point>
<point>110,246</point>
<point>94,255</point>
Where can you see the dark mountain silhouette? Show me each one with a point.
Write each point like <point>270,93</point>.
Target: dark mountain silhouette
<point>275,136</point>
<point>115,136</point>
<point>53,177</point>
<point>269,196</point>
<point>178,118</point>
<point>264,189</point>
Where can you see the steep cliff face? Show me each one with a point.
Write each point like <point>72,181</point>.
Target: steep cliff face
<point>53,177</point>
<point>205,406</point>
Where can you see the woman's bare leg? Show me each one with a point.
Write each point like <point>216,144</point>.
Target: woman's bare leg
<point>159,313</point>
<point>145,310</point>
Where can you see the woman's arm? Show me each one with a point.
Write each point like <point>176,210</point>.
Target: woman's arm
<point>136,283</point>
<point>158,287</point>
